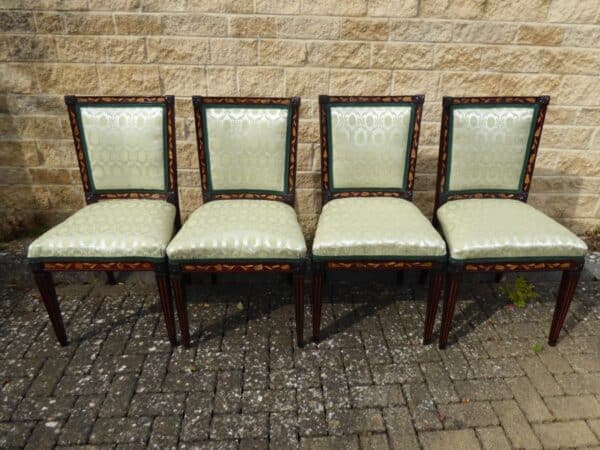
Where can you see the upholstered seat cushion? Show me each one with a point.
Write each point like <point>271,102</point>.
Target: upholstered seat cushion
<point>499,228</point>
<point>374,227</point>
<point>239,230</point>
<point>110,229</point>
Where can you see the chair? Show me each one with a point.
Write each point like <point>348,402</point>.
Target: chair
<point>126,153</point>
<point>368,222</point>
<point>247,223</point>
<point>488,147</point>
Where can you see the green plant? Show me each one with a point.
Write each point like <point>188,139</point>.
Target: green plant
<point>520,292</point>
<point>537,347</point>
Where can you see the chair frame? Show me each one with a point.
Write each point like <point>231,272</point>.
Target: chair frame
<point>571,267</point>
<point>321,265</point>
<point>42,269</point>
<point>297,269</point>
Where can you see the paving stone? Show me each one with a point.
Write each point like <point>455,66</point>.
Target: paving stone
<point>229,391</point>
<point>44,408</point>
<point>119,395</point>
<point>400,428</point>
<point>515,425</point>
<point>467,415</point>
<point>329,443</point>
<point>44,435</point>
<point>345,421</point>
<point>396,373</point>
<point>377,441</point>
<point>269,400</point>
<point>157,404</point>
<point>236,426</point>
<point>565,434</point>
<point>528,398</point>
<point>554,361</point>
<point>48,377</point>
<point>443,440</point>
<point>439,383</point>
<point>283,429</point>
<point>376,396</point>
<point>572,407</point>
<point>81,420</point>
<point>478,390</point>
<point>422,407</point>
<point>15,434</point>
<point>540,376</point>
<point>493,438</point>
<point>165,432</point>
<point>122,430</point>
<point>595,426</point>
<point>579,383</point>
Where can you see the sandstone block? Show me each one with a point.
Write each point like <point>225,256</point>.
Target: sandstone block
<point>278,6</point>
<point>365,29</point>
<point>195,25</point>
<point>338,54</point>
<point>403,56</point>
<point>540,35</point>
<point>364,82</point>
<point>510,59</point>
<point>80,23</point>
<point>252,26</point>
<point>178,50</point>
<point>24,48</point>
<point>181,80</point>
<point>457,57</point>
<point>573,11</point>
<point>416,82</point>
<point>579,90</point>
<point>421,31</point>
<point>335,7</point>
<point>282,52</point>
<point>484,32</point>
<point>17,22</point>
<point>306,82</point>
<point>162,5</point>
<point>221,81</point>
<point>80,49</point>
<point>233,51</point>
<point>127,50</point>
<point>48,23</point>
<point>308,27</point>
<point>393,8</point>
<point>57,153</point>
<point>458,9</point>
<point>222,6</point>
<point>533,10</point>
<point>129,80</point>
<point>473,84</point>
<point>18,154</point>
<point>18,79</point>
<point>68,78</point>
<point>254,81</point>
<point>142,24</point>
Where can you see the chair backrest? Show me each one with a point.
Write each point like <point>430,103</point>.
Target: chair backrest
<point>247,147</point>
<point>488,147</point>
<point>125,146</point>
<point>369,145</point>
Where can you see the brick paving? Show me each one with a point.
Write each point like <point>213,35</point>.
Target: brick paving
<point>369,383</point>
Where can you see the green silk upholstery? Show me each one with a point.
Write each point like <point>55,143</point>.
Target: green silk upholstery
<point>488,146</point>
<point>125,146</point>
<point>247,147</point>
<point>110,229</point>
<point>371,227</point>
<point>239,230</point>
<point>369,146</point>
<point>500,228</point>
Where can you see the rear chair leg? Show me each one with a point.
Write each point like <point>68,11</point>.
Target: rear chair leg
<point>44,283</point>
<point>452,284</point>
<point>563,302</point>
<point>299,302</point>
<point>166,303</point>
<point>181,305</point>
<point>433,299</point>
<point>110,277</point>
<point>317,284</point>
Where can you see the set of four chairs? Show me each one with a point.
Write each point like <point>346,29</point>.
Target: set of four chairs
<point>247,223</point>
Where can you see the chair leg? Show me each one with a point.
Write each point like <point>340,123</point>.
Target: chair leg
<point>181,305</point>
<point>498,277</point>
<point>44,283</point>
<point>110,277</point>
<point>563,302</point>
<point>166,303</point>
<point>299,302</point>
<point>317,285</point>
<point>452,284</point>
<point>433,299</point>
<point>423,276</point>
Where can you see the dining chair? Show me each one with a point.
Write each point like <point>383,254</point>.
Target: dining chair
<point>368,221</point>
<point>125,148</point>
<point>247,223</point>
<point>488,147</point>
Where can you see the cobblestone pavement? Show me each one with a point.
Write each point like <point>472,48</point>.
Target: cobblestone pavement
<point>244,384</point>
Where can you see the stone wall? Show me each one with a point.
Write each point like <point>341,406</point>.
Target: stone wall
<point>50,48</point>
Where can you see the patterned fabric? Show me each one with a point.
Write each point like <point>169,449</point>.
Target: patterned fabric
<point>500,228</point>
<point>125,146</point>
<point>488,147</point>
<point>247,147</point>
<point>375,226</point>
<point>110,229</point>
<point>369,146</point>
<point>239,229</point>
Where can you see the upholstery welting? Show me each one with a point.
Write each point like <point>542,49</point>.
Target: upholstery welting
<point>502,228</point>
<point>375,226</point>
<point>110,229</point>
<point>247,147</point>
<point>237,230</point>
<point>125,146</point>
<point>488,147</point>
<point>373,137</point>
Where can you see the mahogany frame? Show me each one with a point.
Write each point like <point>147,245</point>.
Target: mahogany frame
<point>42,268</point>
<point>571,267</point>
<point>296,268</point>
<point>321,265</point>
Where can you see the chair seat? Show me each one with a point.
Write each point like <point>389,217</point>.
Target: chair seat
<point>110,229</point>
<point>373,227</point>
<point>239,230</point>
<point>500,228</point>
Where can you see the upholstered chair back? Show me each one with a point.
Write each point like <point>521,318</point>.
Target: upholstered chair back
<point>247,146</point>
<point>368,142</point>
<point>125,146</point>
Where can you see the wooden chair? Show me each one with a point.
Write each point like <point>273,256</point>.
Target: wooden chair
<point>126,152</point>
<point>488,147</point>
<point>368,222</point>
<point>247,155</point>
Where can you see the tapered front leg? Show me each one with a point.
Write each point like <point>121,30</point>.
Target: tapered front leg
<point>566,291</point>
<point>181,305</point>
<point>44,283</point>
<point>317,285</point>
<point>166,303</point>
<point>299,303</point>
<point>433,299</point>
<point>452,285</point>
